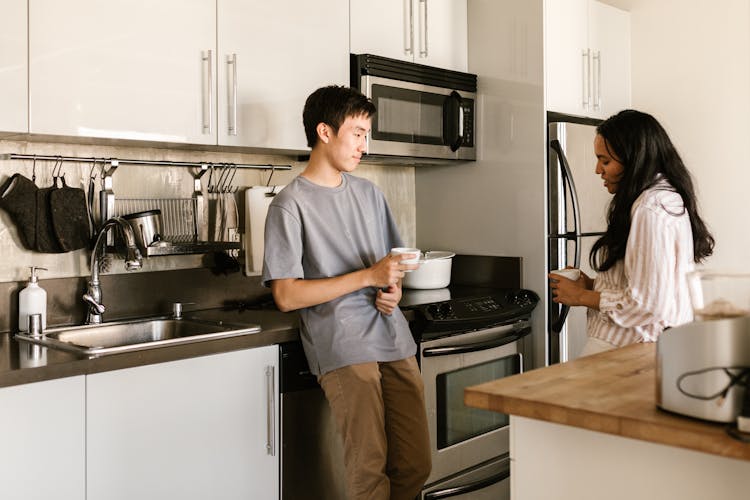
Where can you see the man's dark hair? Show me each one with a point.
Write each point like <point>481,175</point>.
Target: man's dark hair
<point>332,105</point>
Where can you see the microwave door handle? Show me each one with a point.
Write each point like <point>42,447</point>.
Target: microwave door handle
<point>461,123</point>
<point>478,346</point>
<point>453,121</point>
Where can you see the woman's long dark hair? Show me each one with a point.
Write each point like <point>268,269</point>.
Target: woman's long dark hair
<point>643,148</point>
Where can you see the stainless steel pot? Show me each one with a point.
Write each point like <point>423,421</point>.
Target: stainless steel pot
<point>434,271</point>
<point>146,226</point>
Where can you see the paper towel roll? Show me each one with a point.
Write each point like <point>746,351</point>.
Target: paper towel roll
<point>256,209</point>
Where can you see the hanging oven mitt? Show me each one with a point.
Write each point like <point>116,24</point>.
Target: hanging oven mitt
<point>46,241</point>
<point>18,197</point>
<point>69,217</point>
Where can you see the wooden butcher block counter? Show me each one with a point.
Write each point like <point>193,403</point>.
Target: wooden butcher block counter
<point>612,392</point>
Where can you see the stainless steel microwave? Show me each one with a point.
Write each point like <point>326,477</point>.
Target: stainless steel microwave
<point>422,111</point>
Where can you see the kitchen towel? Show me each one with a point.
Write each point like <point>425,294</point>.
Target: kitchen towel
<point>257,201</point>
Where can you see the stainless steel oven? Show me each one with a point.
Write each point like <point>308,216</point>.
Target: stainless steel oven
<point>422,111</point>
<point>462,437</point>
<point>476,335</point>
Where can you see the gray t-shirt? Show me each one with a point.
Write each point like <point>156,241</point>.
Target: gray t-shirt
<point>317,232</point>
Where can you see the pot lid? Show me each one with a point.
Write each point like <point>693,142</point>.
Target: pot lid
<point>438,254</point>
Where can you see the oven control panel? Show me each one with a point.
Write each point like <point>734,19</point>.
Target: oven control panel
<point>472,313</point>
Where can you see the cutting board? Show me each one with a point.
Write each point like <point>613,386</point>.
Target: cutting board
<point>256,208</point>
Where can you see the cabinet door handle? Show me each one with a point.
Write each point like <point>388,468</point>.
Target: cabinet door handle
<point>586,87</point>
<point>598,80</point>
<point>408,28</point>
<point>208,92</point>
<point>423,48</point>
<point>271,412</point>
<point>232,129</point>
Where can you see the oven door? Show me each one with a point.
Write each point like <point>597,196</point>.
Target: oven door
<point>462,437</point>
<point>419,120</point>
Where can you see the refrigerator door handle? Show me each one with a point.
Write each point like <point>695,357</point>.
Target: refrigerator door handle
<point>567,176</point>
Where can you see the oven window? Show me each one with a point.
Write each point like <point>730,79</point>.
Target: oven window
<point>457,422</point>
<point>405,115</point>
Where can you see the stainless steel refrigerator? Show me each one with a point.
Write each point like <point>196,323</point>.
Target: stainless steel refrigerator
<point>577,210</point>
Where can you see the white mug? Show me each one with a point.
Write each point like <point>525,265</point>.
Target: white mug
<point>571,274</point>
<point>403,250</point>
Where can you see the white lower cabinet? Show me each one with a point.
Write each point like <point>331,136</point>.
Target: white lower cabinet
<point>42,438</point>
<point>198,428</point>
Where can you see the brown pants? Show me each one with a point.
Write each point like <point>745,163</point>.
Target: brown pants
<point>380,413</point>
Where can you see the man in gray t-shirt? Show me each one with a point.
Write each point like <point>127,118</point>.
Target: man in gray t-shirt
<point>327,241</point>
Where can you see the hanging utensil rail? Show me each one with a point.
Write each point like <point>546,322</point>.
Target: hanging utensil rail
<point>179,213</point>
<point>165,163</point>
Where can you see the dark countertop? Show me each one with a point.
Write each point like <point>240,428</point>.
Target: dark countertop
<point>18,367</point>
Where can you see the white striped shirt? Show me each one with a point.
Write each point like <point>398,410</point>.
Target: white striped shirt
<point>647,291</point>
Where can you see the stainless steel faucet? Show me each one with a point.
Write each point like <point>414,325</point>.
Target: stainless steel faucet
<point>93,296</point>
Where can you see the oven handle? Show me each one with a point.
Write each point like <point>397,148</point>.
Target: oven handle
<point>469,487</point>
<point>478,346</point>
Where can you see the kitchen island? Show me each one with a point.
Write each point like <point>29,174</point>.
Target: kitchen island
<point>590,429</point>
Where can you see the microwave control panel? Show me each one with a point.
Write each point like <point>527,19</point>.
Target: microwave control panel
<point>467,106</point>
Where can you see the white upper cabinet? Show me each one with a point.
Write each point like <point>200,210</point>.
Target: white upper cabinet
<point>566,63</point>
<point>431,32</point>
<point>610,36</point>
<point>587,53</point>
<point>271,56</point>
<point>123,69</point>
<point>13,67</point>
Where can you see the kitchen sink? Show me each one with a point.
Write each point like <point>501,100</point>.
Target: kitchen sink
<point>124,336</point>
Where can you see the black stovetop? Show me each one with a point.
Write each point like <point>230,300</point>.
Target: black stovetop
<point>458,309</point>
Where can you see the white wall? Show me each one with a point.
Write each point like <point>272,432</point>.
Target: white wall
<point>496,205</point>
<point>691,70</point>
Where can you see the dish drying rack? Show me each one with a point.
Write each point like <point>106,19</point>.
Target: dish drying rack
<point>183,226</point>
<point>181,220</point>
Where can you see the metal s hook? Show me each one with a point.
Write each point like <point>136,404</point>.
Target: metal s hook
<point>210,187</point>
<point>223,177</point>
<point>229,187</point>
<point>33,169</point>
<point>56,169</point>
<point>271,193</point>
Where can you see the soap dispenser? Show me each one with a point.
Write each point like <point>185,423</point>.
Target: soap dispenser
<point>32,300</point>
